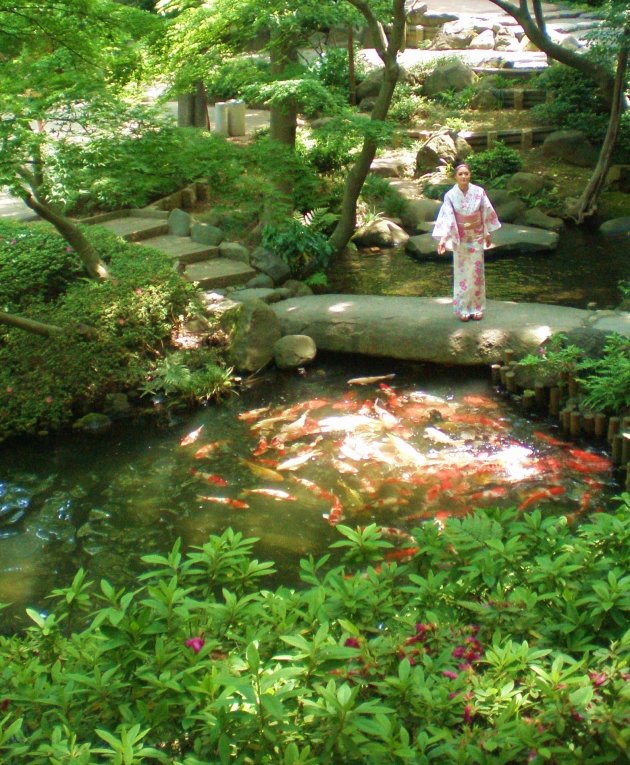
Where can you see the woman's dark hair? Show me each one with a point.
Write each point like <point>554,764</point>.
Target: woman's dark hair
<point>462,164</point>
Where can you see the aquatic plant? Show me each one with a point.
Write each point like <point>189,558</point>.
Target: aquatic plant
<point>504,637</point>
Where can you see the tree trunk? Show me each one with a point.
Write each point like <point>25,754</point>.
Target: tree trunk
<point>352,78</point>
<point>192,108</point>
<point>388,51</point>
<point>587,203</point>
<point>536,30</point>
<point>72,234</point>
<point>283,117</point>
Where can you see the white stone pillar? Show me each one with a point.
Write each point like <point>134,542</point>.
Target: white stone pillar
<point>221,118</point>
<point>236,117</point>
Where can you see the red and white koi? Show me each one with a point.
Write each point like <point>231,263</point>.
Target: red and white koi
<point>496,492</point>
<point>235,503</point>
<point>542,495</point>
<point>276,494</point>
<point>293,463</point>
<point>335,515</point>
<point>191,437</point>
<point>253,414</point>
<point>207,449</point>
<point>209,477</point>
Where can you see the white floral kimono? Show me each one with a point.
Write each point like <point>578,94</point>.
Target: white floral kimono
<point>463,223</point>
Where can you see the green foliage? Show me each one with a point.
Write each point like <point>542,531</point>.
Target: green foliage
<point>303,248</point>
<point>407,105</point>
<point>187,378</point>
<point>556,355</point>
<point>487,166</point>
<point>378,193</point>
<point>606,381</point>
<point>132,167</point>
<point>230,78</point>
<point>45,382</point>
<point>33,265</point>
<point>436,190</point>
<point>503,640</point>
<point>332,69</point>
<point>332,146</point>
<point>456,99</point>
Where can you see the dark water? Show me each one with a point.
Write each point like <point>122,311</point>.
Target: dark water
<point>585,268</point>
<point>427,443</point>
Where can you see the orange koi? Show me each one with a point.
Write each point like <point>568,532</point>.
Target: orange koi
<point>590,458</point>
<point>276,494</point>
<point>261,447</point>
<point>481,401</point>
<point>393,399</point>
<point>191,437</point>
<point>405,553</point>
<point>590,466</point>
<point>541,496</point>
<point>477,419</point>
<point>236,503</point>
<point>209,477</point>
<point>549,439</point>
<point>206,449</point>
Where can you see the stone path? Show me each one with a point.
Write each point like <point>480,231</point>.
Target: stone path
<point>425,329</point>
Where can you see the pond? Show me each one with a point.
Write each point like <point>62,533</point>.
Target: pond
<point>586,268</point>
<point>285,461</point>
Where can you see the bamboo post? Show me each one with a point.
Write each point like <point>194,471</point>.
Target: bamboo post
<point>565,420</point>
<point>510,382</point>
<point>575,423</point>
<point>574,387</point>
<point>613,428</point>
<point>617,447</point>
<point>508,355</point>
<point>540,392</point>
<point>503,372</point>
<point>554,401</point>
<point>601,424</point>
<point>628,477</point>
<point>625,448</point>
<point>588,423</point>
<point>495,374</point>
<point>528,401</point>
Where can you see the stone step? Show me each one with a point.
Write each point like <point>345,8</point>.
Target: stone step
<point>182,248</point>
<point>219,272</point>
<point>136,229</point>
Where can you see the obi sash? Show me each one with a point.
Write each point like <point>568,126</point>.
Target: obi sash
<point>467,225</point>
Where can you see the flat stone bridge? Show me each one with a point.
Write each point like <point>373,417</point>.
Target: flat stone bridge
<point>425,329</point>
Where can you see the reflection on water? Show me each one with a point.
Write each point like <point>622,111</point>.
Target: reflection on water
<point>285,461</point>
<point>585,268</point>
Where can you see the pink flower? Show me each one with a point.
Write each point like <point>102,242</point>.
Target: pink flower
<point>352,642</point>
<point>458,653</point>
<point>597,678</point>
<point>69,249</point>
<point>450,674</point>
<point>468,714</point>
<point>196,643</point>
<point>48,399</point>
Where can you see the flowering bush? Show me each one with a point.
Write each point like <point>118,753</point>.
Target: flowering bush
<point>503,640</point>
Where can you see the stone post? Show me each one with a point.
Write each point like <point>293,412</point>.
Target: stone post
<point>236,117</point>
<point>221,118</point>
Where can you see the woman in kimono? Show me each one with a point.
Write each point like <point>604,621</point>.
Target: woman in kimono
<point>464,225</point>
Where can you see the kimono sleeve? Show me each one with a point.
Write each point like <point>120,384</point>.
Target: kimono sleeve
<point>489,216</point>
<point>446,226</point>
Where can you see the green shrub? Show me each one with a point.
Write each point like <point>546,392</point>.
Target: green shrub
<point>44,381</point>
<point>407,105</point>
<point>302,247</point>
<point>332,146</point>
<point>503,640</point>
<point>35,265</point>
<point>606,381</point>
<point>332,69</point>
<point>377,193</point>
<point>133,167</point>
<point>230,78</point>
<point>487,166</point>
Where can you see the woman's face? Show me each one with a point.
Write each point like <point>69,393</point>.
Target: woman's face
<point>462,176</point>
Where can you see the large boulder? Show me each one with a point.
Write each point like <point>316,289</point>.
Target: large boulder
<point>206,233</point>
<point>256,332</point>
<point>616,227</point>
<point>509,239</point>
<point>179,222</point>
<point>454,75</point>
<point>269,263</point>
<point>455,35</point>
<point>380,233</point>
<point>418,211</point>
<point>538,219</point>
<point>442,148</point>
<point>293,351</point>
<point>618,178</point>
<point>570,146</point>
<point>526,183</point>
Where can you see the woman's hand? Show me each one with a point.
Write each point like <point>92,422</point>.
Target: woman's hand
<point>488,241</point>
<point>441,248</point>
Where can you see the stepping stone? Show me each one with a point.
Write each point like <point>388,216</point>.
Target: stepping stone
<point>219,272</point>
<point>135,229</point>
<point>182,248</point>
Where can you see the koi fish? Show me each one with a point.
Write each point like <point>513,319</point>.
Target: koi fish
<point>438,437</point>
<point>207,449</point>
<point>387,418</point>
<point>313,487</point>
<point>592,459</point>
<point>335,515</point>
<point>370,380</point>
<point>276,494</point>
<point>261,447</point>
<point>343,467</point>
<point>405,553</point>
<point>253,414</point>
<point>293,463</point>
<point>191,437</point>
<point>393,399</point>
<point>599,465</point>
<point>541,496</point>
<point>209,477</point>
<point>262,472</point>
<point>549,439</point>
<point>485,494</point>
<point>407,451</point>
<point>236,503</point>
